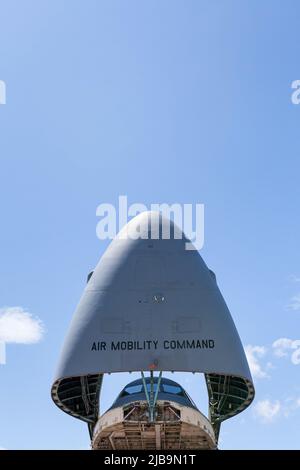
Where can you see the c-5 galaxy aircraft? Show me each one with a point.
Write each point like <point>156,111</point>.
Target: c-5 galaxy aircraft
<point>152,306</point>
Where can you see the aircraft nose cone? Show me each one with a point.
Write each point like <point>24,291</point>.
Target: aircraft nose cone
<point>150,226</point>
<point>149,299</point>
<point>152,304</point>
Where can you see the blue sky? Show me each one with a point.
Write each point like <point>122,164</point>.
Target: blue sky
<point>164,101</point>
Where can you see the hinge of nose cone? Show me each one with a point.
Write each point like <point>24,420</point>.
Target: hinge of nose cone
<point>151,397</point>
<point>228,396</point>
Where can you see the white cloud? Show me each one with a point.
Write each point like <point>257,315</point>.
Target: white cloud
<point>267,410</point>
<point>281,346</point>
<point>284,346</point>
<point>254,353</point>
<point>294,303</point>
<point>19,326</point>
<point>295,357</point>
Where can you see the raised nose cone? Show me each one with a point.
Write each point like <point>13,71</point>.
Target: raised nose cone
<point>151,303</point>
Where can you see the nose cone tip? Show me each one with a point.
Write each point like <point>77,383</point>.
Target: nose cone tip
<point>152,222</point>
<point>146,216</point>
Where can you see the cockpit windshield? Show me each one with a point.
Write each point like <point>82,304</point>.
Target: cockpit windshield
<point>164,388</point>
<point>173,389</point>
<point>168,391</point>
<point>132,389</point>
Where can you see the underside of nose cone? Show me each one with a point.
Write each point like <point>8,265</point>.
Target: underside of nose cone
<point>152,304</point>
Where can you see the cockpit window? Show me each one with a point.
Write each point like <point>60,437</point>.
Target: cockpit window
<point>133,389</point>
<point>139,388</point>
<point>173,389</point>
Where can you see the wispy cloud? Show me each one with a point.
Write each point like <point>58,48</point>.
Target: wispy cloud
<point>283,347</point>
<point>294,278</point>
<point>254,354</point>
<point>290,406</point>
<point>294,303</point>
<point>17,325</point>
<point>267,410</point>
